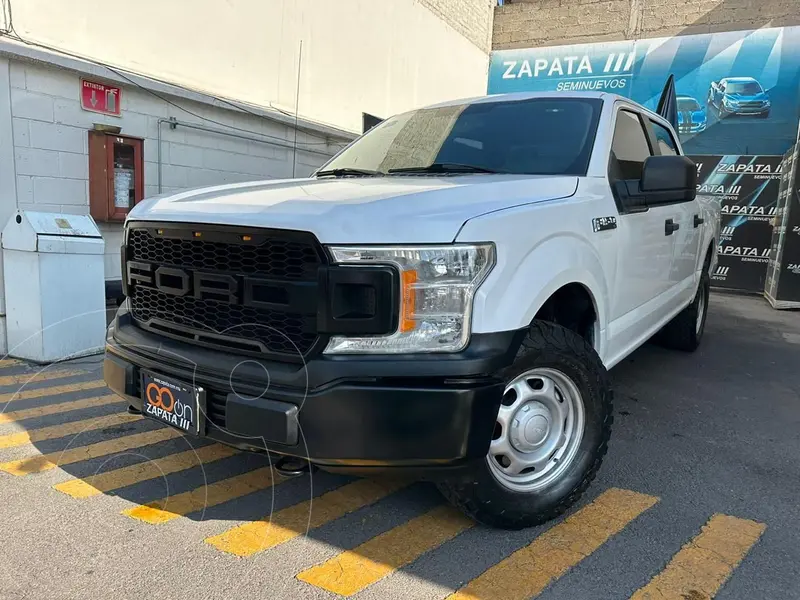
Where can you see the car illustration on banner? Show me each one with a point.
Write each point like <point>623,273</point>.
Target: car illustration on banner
<point>739,96</point>
<point>691,115</point>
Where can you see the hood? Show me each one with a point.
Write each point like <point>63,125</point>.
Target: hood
<point>738,96</point>
<point>698,116</point>
<point>358,210</point>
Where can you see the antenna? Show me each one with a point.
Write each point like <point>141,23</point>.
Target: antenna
<point>296,109</point>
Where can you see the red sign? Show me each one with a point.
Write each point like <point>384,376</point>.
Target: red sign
<point>99,97</point>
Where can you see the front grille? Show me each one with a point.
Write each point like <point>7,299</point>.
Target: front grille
<point>275,325</point>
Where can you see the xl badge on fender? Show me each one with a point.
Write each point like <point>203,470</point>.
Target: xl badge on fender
<point>604,223</point>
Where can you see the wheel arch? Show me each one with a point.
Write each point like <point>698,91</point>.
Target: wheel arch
<point>562,266</point>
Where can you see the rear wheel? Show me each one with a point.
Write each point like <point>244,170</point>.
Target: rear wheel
<point>550,437</point>
<point>685,331</point>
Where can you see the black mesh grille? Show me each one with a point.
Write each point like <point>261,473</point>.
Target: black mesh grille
<point>283,259</point>
<point>281,329</point>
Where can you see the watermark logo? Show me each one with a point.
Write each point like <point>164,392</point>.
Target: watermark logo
<point>721,273</point>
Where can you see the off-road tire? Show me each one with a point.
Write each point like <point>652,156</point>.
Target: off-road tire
<point>479,494</point>
<point>681,333</point>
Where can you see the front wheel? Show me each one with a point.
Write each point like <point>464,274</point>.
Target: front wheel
<point>550,437</point>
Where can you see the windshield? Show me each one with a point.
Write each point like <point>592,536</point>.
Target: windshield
<point>688,104</point>
<point>746,89</point>
<point>538,136</point>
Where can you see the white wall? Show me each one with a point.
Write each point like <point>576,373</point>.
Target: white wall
<point>50,146</point>
<point>379,57</point>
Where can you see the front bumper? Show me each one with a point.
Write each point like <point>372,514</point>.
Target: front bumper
<point>353,413</point>
<point>693,128</point>
<point>748,110</point>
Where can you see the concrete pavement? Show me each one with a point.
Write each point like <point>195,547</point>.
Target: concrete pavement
<point>696,499</point>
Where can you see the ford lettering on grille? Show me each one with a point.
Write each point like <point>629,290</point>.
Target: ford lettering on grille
<point>243,290</point>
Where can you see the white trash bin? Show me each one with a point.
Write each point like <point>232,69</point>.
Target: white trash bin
<point>55,286</point>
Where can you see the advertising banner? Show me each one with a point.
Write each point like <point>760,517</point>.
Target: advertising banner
<point>782,288</point>
<point>747,189</point>
<point>738,92</point>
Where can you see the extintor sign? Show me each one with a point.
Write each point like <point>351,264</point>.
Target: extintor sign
<point>100,97</point>
<point>747,189</point>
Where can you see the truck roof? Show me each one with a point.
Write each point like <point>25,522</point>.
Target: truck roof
<point>739,79</point>
<point>516,96</point>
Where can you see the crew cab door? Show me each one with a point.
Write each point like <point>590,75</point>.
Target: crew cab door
<point>689,219</point>
<point>646,238</point>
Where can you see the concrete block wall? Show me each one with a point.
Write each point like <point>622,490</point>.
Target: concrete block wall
<point>536,23</point>
<point>470,18</point>
<point>50,145</point>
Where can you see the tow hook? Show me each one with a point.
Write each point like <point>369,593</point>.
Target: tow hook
<point>290,466</point>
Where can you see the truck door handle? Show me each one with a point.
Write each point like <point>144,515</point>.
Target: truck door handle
<point>698,221</point>
<point>670,227</point>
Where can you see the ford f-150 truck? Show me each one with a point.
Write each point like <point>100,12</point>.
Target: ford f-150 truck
<point>739,96</point>
<point>443,298</point>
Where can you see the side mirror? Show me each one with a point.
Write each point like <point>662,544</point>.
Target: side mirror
<point>667,179</point>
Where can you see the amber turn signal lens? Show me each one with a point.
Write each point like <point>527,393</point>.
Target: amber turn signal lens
<point>408,305</point>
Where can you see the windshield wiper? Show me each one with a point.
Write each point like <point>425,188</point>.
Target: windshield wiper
<point>347,171</point>
<point>445,168</point>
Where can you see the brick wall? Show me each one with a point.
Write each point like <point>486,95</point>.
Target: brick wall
<point>534,23</point>
<point>470,18</point>
<point>50,135</point>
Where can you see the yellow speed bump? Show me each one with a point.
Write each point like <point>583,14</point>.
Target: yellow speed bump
<point>27,394</point>
<point>54,409</point>
<point>703,565</point>
<point>151,469</point>
<point>296,520</point>
<point>206,496</point>
<point>352,571</point>
<point>56,431</point>
<point>38,376</point>
<point>45,462</point>
<point>531,569</point>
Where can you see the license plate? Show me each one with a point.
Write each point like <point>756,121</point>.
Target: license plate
<point>172,402</point>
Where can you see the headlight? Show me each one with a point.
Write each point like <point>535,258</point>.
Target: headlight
<point>437,285</point>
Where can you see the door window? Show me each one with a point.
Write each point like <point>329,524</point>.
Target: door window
<point>629,148</point>
<point>664,139</point>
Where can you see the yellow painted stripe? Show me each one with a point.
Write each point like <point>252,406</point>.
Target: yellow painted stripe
<point>45,462</point>
<point>286,524</point>
<point>529,570</point>
<point>38,376</point>
<point>54,409</point>
<point>354,570</point>
<point>206,496</point>
<point>151,469</point>
<point>10,362</point>
<point>56,431</point>
<point>26,394</point>
<point>700,568</point>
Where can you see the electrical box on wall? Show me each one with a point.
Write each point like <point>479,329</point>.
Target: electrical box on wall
<point>116,175</point>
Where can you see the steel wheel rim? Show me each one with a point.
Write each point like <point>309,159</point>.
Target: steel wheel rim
<point>539,430</point>
<point>701,309</point>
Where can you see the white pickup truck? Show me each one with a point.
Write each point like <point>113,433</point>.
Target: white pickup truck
<point>444,297</point>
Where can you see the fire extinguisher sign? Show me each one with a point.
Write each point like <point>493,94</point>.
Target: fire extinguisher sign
<point>100,98</point>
